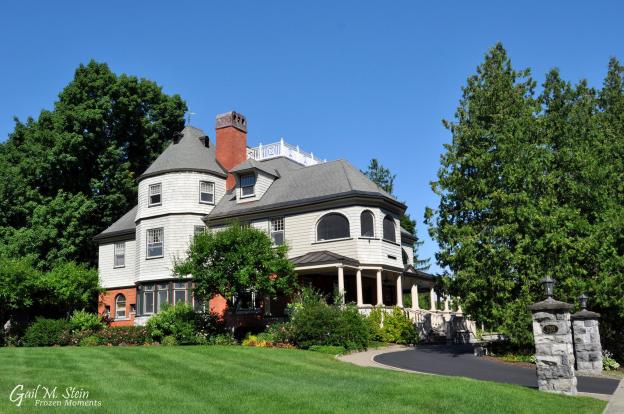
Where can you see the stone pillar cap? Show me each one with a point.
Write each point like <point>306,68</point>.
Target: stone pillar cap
<point>549,304</point>
<point>585,314</point>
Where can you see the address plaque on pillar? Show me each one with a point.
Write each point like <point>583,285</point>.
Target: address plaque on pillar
<point>550,329</point>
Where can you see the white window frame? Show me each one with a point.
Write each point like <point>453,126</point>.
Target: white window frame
<point>254,300</point>
<point>180,289</point>
<point>125,314</point>
<point>276,226</point>
<point>159,289</point>
<point>212,193</point>
<point>154,189</point>
<point>147,242</point>
<point>119,253</point>
<point>253,186</point>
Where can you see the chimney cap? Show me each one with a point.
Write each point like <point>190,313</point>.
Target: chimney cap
<point>231,119</point>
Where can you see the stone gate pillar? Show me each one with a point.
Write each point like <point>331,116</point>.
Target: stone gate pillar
<point>587,347</point>
<point>554,352</point>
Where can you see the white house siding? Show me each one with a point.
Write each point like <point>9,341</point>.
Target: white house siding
<point>263,182</point>
<point>110,276</point>
<point>179,194</point>
<point>179,231</point>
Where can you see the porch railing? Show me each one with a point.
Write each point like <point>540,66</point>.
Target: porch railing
<point>283,149</point>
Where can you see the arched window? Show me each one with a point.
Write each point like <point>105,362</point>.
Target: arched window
<point>120,306</point>
<point>404,257</point>
<point>332,226</point>
<point>388,229</point>
<point>367,224</point>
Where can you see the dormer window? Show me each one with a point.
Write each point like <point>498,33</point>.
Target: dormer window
<point>247,185</point>
<point>155,195</point>
<point>206,192</point>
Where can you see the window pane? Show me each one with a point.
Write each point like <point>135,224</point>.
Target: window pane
<point>247,191</point>
<point>155,242</point>
<point>389,229</point>
<point>247,180</point>
<point>155,250</point>
<point>206,198</point>
<point>179,296</point>
<point>206,192</point>
<point>120,306</point>
<point>333,226</point>
<point>163,297</point>
<point>278,238</point>
<point>154,194</point>
<point>179,285</point>
<point>367,224</point>
<point>148,300</point>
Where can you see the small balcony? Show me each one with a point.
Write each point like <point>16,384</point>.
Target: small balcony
<point>283,149</point>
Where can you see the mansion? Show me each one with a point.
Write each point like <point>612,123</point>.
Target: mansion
<point>343,232</point>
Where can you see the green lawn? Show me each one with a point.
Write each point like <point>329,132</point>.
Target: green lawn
<point>203,379</point>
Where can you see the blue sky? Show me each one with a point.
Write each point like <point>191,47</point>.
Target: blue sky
<point>352,80</point>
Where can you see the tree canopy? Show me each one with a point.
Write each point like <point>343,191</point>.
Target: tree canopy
<point>531,185</point>
<point>69,174</point>
<point>235,261</point>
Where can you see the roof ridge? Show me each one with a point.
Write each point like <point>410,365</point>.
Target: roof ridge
<point>342,164</point>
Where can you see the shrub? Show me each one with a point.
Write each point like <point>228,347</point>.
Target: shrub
<point>169,341</point>
<point>124,335</point>
<point>91,340</point>
<point>314,322</point>
<point>85,321</point>
<point>374,325</point>
<point>177,321</point>
<point>46,332</point>
<point>398,328</point>
<point>208,324</point>
<point>279,332</point>
<point>608,363</point>
<point>252,340</point>
<point>222,339</point>
<point>328,349</point>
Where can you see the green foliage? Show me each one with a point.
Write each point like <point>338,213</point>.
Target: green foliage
<point>176,321</point>
<point>46,332</point>
<point>608,362</point>
<point>224,339</point>
<point>398,328</point>
<point>531,186</point>
<point>374,321</point>
<point>328,349</point>
<point>85,321</point>
<point>169,340</point>
<point>69,174</point>
<point>279,332</point>
<point>124,335</point>
<point>316,323</point>
<point>17,282</point>
<point>91,340</point>
<point>234,261</point>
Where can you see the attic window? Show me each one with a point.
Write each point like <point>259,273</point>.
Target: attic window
<point>206,192</point>
<point>247,184</point>
<point>154,195</point>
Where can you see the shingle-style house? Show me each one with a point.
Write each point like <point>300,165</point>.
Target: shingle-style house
<point>342,230</point>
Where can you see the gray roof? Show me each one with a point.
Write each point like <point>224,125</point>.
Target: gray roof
<point>251,164</point>
<point>322,257</point>
<point>298,185</point>
<point>189,153</point>
<point>125,225</point>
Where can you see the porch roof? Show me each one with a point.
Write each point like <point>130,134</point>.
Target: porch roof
<point>323,257</point>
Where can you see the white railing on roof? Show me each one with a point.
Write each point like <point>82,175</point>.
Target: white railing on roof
<point>283,149</point>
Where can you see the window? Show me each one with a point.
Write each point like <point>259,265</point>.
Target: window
<point>120,306</point>
<point>332,226</point>
<point>120,254</point>
<point>277,231</point>
<point>155,243</point>
<point>206,192</point>
<point>247,183</point>
<point>404,257</point>
<point>198,230</point>
<point>249,301</point>
<point>163,295</point>
<point>148,299</point>
<point>389,229</point>
<point>367,224</point>
<point>179,292</point>
<point>155,196</point>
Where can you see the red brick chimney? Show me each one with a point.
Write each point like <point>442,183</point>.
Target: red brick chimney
<point>231,148</point>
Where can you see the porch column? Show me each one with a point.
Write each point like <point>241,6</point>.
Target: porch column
<point>358,285</point>
<point>446,304</point>
<point>399,290</point>
<point>432,300</point>
<point>379,289</point>
<point>415,304</point>
<point>341,289</point>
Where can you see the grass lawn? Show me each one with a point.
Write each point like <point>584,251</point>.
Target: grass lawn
<point>204,379</point>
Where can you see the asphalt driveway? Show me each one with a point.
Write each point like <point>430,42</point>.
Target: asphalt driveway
<point>458,360</point>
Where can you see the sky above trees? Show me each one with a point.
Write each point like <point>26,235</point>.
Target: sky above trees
<point>349,80</point>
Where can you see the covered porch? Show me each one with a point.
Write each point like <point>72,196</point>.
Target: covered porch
<point>380,286</point>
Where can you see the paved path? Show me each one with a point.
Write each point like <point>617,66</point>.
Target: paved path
<point>616,404</point>
<point>460,361</point>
